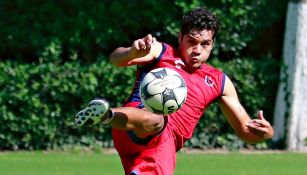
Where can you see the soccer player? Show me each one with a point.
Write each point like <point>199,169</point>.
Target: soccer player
<point>146,142</point>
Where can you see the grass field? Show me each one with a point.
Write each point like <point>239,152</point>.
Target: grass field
<point>78,163</point>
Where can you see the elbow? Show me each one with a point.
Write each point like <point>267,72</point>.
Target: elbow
<point>113,61</point>
<point>120,57</point>
<point>153,124</point>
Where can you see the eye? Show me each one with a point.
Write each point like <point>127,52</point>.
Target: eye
<point>205,44</point>
<point>191,42</point>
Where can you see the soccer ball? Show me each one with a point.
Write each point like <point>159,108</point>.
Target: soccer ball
<point>163,91</point>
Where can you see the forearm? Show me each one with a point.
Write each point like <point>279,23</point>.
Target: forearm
<point>143,51</point>
<point>239,120</point>
<point>246,128</point>
<point>249,130</point>
<point>238,124</point>
<point>121,56</point>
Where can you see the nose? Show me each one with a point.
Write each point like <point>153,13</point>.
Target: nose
<point>197,49</point>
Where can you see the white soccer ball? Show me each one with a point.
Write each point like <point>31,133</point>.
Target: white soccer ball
<point>163,91</point>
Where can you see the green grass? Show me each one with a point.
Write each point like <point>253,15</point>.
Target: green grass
<point>72,163</point>
<point>242,164</point>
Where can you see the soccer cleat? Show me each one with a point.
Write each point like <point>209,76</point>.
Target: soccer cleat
<point>97,111</point>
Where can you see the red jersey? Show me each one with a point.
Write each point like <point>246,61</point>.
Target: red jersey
<point>204,86</point>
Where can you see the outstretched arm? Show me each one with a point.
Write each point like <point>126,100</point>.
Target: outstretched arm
<point>251,131</point>
<point>143,51</point>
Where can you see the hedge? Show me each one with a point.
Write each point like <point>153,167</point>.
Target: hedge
<point>38,102</point>
<point>86,29</point>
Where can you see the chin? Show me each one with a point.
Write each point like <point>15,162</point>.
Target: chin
<point>196,66</point>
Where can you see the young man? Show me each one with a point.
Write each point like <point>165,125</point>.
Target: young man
<point>147,143</point>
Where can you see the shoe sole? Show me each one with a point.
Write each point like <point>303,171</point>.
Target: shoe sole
<point>92,114</point>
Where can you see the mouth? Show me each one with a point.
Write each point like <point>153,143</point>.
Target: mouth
<point>195,59</point>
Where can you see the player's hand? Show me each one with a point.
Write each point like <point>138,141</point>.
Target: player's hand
<point>141,48</point>
<point>261,127</point>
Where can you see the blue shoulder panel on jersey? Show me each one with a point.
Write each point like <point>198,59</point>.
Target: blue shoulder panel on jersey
<point>223,83</point>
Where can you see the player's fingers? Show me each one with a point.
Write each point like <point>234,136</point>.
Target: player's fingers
<point>257,128</point>
<point>253,123</point>
<point>142,44</point>
<point>262,123</point>
<point>148,39</point>
<point>262,128</point>
<point>154,40</point>
<point>139,44</point>
<point>260,131</point>
<point>135,45</point>
<point>260,115</point>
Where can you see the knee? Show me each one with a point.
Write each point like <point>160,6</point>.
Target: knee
<point>153,123</point>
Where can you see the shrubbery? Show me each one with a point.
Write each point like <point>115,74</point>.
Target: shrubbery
<point>38,102</point>
<point>85,29</point>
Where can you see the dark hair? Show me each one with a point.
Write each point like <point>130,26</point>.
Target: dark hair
<point>200,19</point>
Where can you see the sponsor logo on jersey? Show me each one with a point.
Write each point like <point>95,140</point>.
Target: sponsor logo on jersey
<point>209,82</point>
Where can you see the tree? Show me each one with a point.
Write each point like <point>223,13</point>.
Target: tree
<point>290,120</point>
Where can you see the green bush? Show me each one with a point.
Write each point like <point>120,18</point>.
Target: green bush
<point>38,102</point>
<point>86,29</point>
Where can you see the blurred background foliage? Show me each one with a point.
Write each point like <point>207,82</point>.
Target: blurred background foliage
<point>54,59</point>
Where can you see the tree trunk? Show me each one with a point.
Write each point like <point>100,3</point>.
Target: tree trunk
<point>290,117</point>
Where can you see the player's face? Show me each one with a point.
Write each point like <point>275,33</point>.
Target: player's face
<point>195,47</point>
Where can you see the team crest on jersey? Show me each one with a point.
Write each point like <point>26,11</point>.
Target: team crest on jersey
<point>209,82</point>
<point>179,64</point>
